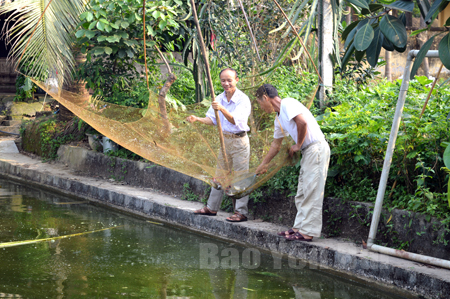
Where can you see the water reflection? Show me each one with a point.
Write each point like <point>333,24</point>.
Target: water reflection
<point>139,258</point>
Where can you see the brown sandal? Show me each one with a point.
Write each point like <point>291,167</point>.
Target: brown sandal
<point>286,233</point>
<point>236,217</point>
<point>205,211</point>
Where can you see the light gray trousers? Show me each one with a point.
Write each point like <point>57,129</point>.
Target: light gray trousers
<point>311,188</point>
<point>238,155</point>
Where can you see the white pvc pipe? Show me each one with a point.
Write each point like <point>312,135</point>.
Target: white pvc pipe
<point>390,150</point>
<point>385,174</point>
<point>411,256</point>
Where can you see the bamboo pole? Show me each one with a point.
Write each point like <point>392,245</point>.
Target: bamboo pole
<point>18,243</point>
<point>208,73</point>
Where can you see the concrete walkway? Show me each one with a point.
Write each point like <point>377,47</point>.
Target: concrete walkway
<point>405,277</point>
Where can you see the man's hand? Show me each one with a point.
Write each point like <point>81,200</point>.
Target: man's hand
<point>262,168</point>
<point>216,106</point>
<point>191,118</point>
<point>294,149</point>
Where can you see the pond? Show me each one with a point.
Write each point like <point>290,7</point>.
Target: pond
<point>117,255</point>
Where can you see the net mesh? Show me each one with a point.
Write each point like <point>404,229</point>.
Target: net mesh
<point>189,148</point>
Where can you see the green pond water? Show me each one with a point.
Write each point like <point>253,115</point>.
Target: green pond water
<point>138,258</point>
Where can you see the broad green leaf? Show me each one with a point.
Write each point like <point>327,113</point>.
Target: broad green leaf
<point>374,49</point>
<point>363,37</point>
<point>394,30</point>
<point>80,33</point>
<point>447,23</point>
<point>101,38</point>
<point>447,157</point>
<point>402,18</point>
<point>92,25</point>
<point>122,34</point>
<point>150,31</point>
<point>108,50</point>
<point>444,51</point>
<point>162,25</point>
<point>124,24</point>
<point>347,56</point>
<point>130,53</point>
<point>400,50</point>
<point>402,5</point>
<point>100,26</point>
<point>359,55</point>
<point>352,33</point>
<point>108,28</point>
<point>113,39</point>
<point>421,56</point>
<point>437,6</point>
<point>83,15</point>
<point>104,21</point>
<point>89,16</point>
<point>372,8</point>
<point>348,29</point>
<point>360,3</point>
<point>28,84</point>
<point>156,14</point>
<point>98,51</point>
<point>387,44</point>
<point>122,53</point>
<point>89,34</point>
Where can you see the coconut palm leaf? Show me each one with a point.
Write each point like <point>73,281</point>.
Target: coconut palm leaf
<point>43,40</point>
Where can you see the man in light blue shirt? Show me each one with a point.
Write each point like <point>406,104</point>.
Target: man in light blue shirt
<point>234,109</point>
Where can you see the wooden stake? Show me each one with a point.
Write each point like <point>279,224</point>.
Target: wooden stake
<point>431,90</point>
<point>211,87</point>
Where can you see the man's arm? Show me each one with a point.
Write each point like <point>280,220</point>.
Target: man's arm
<point>273,151</point>
<point>204,120</point>
<point>224,111</point>
<point>302,126</point>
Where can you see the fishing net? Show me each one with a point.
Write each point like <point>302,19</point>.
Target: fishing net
<point>189,148</point>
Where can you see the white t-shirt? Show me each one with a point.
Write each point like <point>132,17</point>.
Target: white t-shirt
<point>289,109</point>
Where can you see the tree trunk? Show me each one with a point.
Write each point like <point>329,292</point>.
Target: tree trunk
<point>348,18</point>
<point>326,49</point>
<point>75,87</point>
<point>387,68</point>
<point>421,39</point>
<point>162,101</point>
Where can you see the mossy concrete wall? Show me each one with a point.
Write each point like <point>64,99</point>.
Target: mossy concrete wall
<point>350,220</point>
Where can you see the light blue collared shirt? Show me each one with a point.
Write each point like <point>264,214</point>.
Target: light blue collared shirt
<point>239,107</point>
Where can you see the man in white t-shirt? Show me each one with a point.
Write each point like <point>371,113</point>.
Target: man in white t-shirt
<point>294,119</point>
<point>234,109</point>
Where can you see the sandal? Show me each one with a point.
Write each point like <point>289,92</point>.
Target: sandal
<point>297,237</point>
<point>205,211</point>
<point>286,233</point>
<point>236,217</point>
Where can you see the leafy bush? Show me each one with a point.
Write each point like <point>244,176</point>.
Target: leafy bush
<point>358,128</point>
<point>358,132</point>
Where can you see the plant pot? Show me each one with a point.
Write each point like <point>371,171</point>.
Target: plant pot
<point>94,142</point>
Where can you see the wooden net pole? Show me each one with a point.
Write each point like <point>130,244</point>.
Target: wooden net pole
<point>211,87</point>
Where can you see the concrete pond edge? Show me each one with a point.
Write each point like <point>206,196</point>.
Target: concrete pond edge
<point>373,267</point>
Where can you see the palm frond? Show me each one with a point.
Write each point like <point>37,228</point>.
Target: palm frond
<point>50,46</point>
